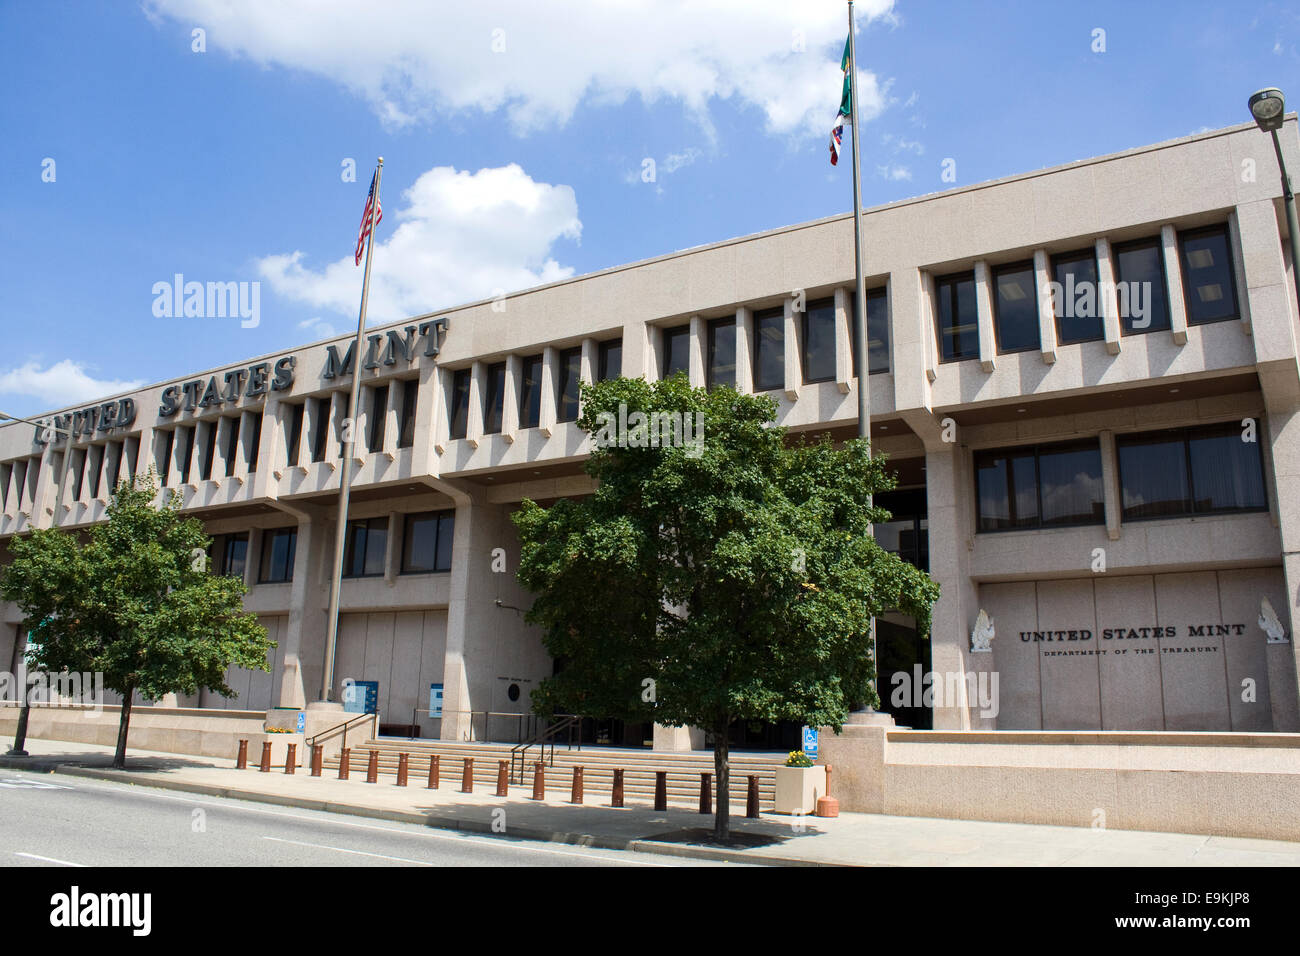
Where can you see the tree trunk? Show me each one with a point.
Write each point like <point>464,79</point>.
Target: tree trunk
<point>119,758</point>
<point>722,773</point>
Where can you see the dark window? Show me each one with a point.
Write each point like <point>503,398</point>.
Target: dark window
<point>566,396</point>
<point>367,542</point>
<point>1209,282</point>
<point>209,449</point>
<point>1039,487</point>
<point>722,352</point>
<point>410,399</point>
<point>322,427</point>
<point>458,413</point>
<point>494,396</point>
<point>232,444</point>
<point>164,461</point>
<point>295,433</point>
<point>229,554</point>
<point>278,547</point>
<point>1075,300</point>
<point>1140,286</point>
<point>769,349</point>
<point>426,542</point>
<point>677,346</point>
<point>114,453</point>
<point>611,360</point>
<point>957,318</point>
<point>1015,307</point>
<point>186,451</point>
<point>877,331</point>
<point>378,418</point>
<point>819,341</point>
<point>906,534</point>
<point>530,391</point>
<point>255,442</point>
<point>1205,470</point>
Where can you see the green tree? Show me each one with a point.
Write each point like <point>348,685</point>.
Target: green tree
<point>729,578</point>
<point>134,602</point>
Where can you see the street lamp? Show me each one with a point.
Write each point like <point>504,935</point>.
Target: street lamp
<point>1268,107</point>
<point>20,733</point>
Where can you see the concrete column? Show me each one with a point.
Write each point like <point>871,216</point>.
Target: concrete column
<point>590,359</point>
<point>338,411</point>
<point>1283,435</point>
<point>253,563</point>
<point>844,339</point>
<point>392,551</point>
<point>245,422</point>
<point>1174,282</point>
<point>393,418</point>
<point>474,414</point>
<point>793,370</point>
<point>744,350</point>
<point>1110,485</point>
<point>430,422</point>
<point>302,643</point>
<point>639,351</point>
<point>510,397</point>
<point>46,485</point>
<point>984,311</point>
<point>929,347</point>
<point>1107,300</point>
<point>1239,269</point>
<point>550,376</point>
<point>200,436</point>
<point>654,354</point>
<point>697,349</point>
<point>1046,314</point>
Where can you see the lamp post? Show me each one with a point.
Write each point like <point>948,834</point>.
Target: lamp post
<point>20,733</point>
<point>1268,107</point>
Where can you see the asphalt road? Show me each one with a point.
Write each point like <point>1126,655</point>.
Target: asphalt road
<point>56,820</point>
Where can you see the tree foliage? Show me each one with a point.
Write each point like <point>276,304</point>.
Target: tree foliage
<point>135,602</point>
<point>734,580</point>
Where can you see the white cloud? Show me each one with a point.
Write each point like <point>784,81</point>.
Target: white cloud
<point>460,237</point>
<point>894,173</point>
<point>63,383</point>
<point>410,60</point>
<point>319,327</point>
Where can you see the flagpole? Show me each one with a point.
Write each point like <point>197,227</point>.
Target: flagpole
<point>860,293</point>
<point>349,442</point>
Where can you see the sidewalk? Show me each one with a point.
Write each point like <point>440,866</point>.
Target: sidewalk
<point>848,840</point>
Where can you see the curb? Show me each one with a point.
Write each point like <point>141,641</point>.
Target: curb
<point>433,821</point>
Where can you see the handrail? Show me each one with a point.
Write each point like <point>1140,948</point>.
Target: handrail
<point>519,752</point>
<point>311,741</point>
<point>523,720</point>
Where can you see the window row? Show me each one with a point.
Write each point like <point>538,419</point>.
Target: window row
<point>1142,295</point>
<point>1210,469</point>
<point>426,547</point>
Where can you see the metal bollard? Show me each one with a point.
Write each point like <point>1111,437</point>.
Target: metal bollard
<point>503,778</point>
<point>241,761</point>
<point>706,793</point>
<point>617,799</point>
<point>345,763</point>
<point>265,766</point>
<point>317,756</point>
<point>827,806</point>
<point>661,789</point>
<point>539,781</point>
<point>402,767</point>
<point>467,776</point>
<point>433,773</point>
<point>751,798</point>
<point>291,759</point>
<point>575,793</point>
<point>372,768</point>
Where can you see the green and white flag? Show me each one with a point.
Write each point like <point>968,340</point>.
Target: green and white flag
<point>846,108</point>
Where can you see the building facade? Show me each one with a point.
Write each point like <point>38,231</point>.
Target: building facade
<point>1085,377</point>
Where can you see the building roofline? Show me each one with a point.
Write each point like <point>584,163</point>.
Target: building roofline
<point>690,250</point>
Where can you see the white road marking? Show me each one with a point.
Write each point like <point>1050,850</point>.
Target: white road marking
<point>505,841</point>
<point>339,849</point>
<point>19,783</point>
<point>48,859</point>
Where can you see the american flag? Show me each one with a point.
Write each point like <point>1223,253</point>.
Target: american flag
<point>365,217</point>
<point>837,139</point>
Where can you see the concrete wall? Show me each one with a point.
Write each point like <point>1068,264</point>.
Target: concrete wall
<point>209,733</point>
<point>1220,784</point>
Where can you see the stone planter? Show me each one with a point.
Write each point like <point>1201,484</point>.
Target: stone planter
<point>797,788</point>
<point>279,750</point>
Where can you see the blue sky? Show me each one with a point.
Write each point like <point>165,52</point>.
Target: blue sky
<point>515,137</point>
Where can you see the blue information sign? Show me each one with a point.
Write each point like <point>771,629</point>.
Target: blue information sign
<point>435,700</point>
<point>361,697</point>
<point>810,742</point>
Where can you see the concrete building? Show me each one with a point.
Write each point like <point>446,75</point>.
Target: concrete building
<point>1109,474</point>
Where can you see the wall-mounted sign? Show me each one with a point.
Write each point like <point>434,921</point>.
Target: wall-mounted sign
<point>87,421</point>
<point>399,344</point>
<point>247,382</point>
<point>435,700</point>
